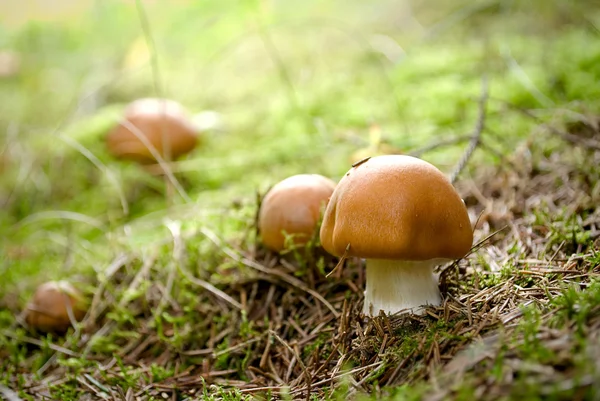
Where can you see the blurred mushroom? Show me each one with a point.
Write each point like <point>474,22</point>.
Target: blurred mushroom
<point>148,123</point>
<point>404,217</point>
<point>51,305</point>
<point>293,208</point>
<point>10,63</point>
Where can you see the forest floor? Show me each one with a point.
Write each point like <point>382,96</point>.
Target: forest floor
<point>184,302</point>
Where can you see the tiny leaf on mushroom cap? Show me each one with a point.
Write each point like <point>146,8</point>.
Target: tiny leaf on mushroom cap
<point>404,217</point>
<point>293,207</point>
<point>162,124</point>
<point>51,305</point>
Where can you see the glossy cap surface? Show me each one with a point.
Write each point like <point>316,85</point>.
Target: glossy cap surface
<point>396,207</point>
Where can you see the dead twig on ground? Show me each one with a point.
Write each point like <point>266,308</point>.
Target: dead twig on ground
<point>479,127</point>
<point>566,136</point>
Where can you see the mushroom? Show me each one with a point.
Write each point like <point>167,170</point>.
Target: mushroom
<point>161,124</point>
<point>293,207</point>
<point>51,305</point>
<point>404,217</point>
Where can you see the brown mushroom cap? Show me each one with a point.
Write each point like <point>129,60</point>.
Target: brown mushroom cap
<point>164,123</point>
<point>396,207</point>
<point>48,309</point>
<point>293,206</point>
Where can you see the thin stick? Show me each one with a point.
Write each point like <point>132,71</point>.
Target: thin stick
<point>9,394</point>
<point>151,47</point>
<point>161,161</point>
<point>438,144</point>
<point>341,262</point>
<point>281,68</point>
<point>100,166</point>
<point>175,229</point>
<point>170,181</point>
<point>480,125</point>
<point>307,376</point>
<point>273,272</point>
<point>566,136</point>
<point>42,344</point>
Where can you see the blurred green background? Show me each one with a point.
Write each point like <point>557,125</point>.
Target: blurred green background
<point>299,87</point>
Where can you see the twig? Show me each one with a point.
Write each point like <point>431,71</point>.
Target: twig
<point>281,67</point>
<point>42,344</point>
<point>161,161</point>
<point>455,18</point>
<point>92,313</point>
<point>61,215</point>
<point>480,125</point>
<point>170,180</point>
<point>274,272</point>
<point>151,47</point>
<point>522,76</point>
<point>479,244</point>
<point>237,346</point>
<point>175,229</point>
<point>210,288</point>
<point>107,273</point>
<point>100,166</point>
<point>574,139</point>
<point>341,261</point>
<point>333,377</point>
<point>307,376</point>
<point>9,394</point>
<point>137,279</point>
<point>438,144</point>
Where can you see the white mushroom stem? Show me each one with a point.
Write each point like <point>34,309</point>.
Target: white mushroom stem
<point>400,285</point>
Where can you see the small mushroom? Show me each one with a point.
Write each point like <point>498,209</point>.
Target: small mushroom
<point>161,124</point>
<point>404,217</point>
<point>10,63</point>
<point>293,208</point>
<point>51,304</point>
